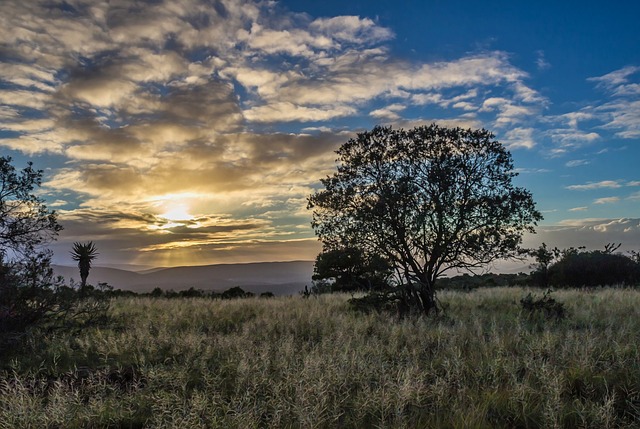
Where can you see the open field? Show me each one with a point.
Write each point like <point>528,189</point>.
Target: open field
<point>291,362</point>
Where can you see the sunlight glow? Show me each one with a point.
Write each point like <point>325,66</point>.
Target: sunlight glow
<point>177,212</point>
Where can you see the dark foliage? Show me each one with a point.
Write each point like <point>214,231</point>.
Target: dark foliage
<point>31,297</point>
<point>389,301</point>
<point>351,270</point>
<point>546,306</point>
<point>25,221</point>
<point>427,200</point>
<point>470,282</point>
<point>84,254</point>
<point>232,293</point>
<point>235,292</point>
<point>579,268</point>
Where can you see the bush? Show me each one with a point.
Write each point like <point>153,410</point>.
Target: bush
<point>545,306</point>
<point>594,268</point>
<point>235,292</point>
<point>31,298</point>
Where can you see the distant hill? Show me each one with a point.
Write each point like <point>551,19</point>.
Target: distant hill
<point>281,278</point>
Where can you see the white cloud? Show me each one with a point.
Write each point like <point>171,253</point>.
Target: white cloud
<point>541,61</point>
<point>622,114</point>
<point>590,232</point>
<point>605,184</point>
<point>390,112</point>
<point>606,200</point>
<point>352,29</point>
<point>615,78</point>
<point>286,112</point>
<point>577,162</point>
<point>520,138</point>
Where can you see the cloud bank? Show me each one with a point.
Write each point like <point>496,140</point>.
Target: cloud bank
<point>231,111</point>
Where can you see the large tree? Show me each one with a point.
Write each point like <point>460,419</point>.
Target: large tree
<point>428,200</point>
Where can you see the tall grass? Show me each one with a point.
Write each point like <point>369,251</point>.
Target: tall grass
<point>290,362</point>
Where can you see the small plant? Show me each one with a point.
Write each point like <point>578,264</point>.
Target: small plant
<point>547,306</point>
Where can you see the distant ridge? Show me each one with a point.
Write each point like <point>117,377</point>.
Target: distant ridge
<point>281,278</point>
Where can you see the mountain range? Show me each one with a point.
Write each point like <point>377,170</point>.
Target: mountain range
<point>280,278</point>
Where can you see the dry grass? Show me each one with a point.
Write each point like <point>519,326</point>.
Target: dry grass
<point>290,362</point>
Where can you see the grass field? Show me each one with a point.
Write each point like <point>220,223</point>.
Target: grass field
<point>313,363</point>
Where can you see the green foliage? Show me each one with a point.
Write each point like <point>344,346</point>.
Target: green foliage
<point>427,200</point>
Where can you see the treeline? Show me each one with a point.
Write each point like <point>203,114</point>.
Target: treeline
<point>349,271</point>
<point>104,289</point>
<point>580,268</point>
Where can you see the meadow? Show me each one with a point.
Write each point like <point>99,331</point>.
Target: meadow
<point>290,362</point>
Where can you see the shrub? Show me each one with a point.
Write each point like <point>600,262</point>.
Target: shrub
<point>594,268</point>
<point>546,306</point>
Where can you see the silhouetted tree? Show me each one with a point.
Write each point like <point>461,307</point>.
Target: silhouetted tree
<point>84,254</point>
<point>543,257</point>
<point>582,268</point>
<point>25,221</point>
<point>27,283</point>
<point>427,200</point>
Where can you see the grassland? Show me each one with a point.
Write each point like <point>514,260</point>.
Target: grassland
<point>313,363</point>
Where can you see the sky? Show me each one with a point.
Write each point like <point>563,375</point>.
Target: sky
<point>188,132</point>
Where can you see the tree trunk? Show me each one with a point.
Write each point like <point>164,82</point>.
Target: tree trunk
<point>420,299</point>
<point>428,298</point>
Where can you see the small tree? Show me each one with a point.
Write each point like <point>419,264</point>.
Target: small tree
<point>428,200</point>
<point>84,254</point>
<point>543,257</point>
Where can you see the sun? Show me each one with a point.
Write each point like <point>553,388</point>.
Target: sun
<point>177,212</point>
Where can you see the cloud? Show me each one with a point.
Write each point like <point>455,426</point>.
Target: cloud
<point>578,209</point>
<point>622,113</point>
<point>541,61</point>
<point>233,109</point>
<point>605,184</point>
<point>389,112</point>
<point>591,233</point>
<point>352,29</point>
<point>577,163</point>
<point>520,138</point>
<point>615,79</point>
<point>606,200</point>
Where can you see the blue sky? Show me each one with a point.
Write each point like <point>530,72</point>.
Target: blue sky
<point>191,132</point>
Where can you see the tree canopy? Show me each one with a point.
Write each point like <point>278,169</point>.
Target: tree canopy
<point>428,200</point>
<point>25,221</point>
